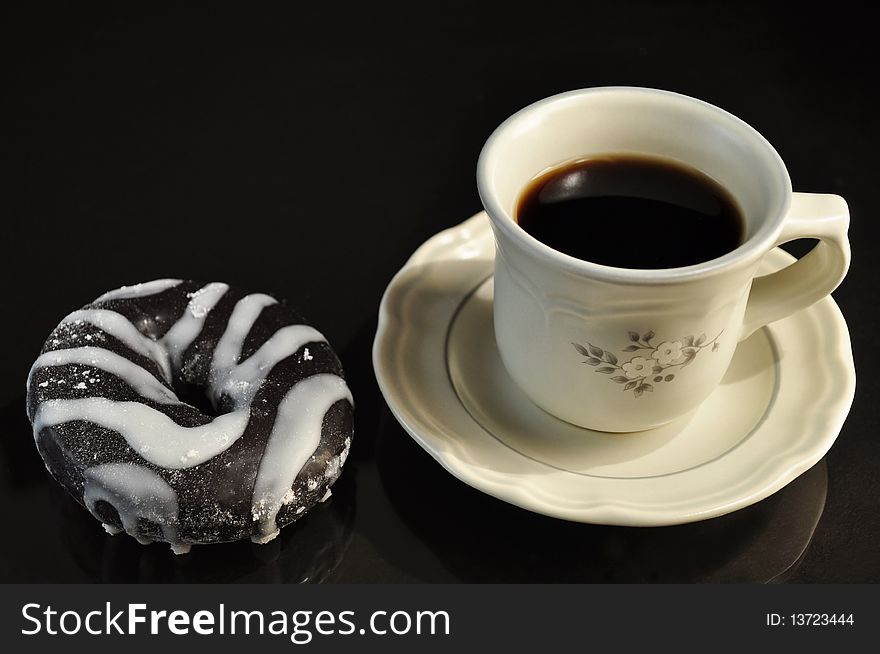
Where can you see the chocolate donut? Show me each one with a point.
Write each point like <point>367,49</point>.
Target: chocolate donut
<point>111,401</point>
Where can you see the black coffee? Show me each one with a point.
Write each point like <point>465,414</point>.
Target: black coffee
<point>631,211</point>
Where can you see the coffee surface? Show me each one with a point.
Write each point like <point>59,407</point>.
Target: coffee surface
<point>631,211</point>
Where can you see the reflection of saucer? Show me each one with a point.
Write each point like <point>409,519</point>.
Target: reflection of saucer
<point>484,540</point>
<point>776,413</point>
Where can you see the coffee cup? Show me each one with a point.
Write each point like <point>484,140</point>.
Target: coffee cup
<point>624,349</point>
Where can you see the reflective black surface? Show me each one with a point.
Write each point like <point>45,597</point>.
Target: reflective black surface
<point>397,516</point>
<point>307,153</point>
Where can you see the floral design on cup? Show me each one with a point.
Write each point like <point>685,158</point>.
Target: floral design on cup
<point>653,366</point>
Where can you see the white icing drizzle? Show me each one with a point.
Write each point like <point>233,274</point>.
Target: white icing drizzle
<point>242,320</point>
<point>132,374</point>
<point>189,325</point>
<point>135,492</point>
<point>152,434</point>
<point>294,438</point>
<point>118,326</point>
<point>139,290</point>
<point>243,381</point>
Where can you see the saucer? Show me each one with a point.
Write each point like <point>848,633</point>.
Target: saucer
<point>775,414</point>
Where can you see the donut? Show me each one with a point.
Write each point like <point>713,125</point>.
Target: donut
<point>189,413</point>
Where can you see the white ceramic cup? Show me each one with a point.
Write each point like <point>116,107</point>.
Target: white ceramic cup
<point>620,349</point>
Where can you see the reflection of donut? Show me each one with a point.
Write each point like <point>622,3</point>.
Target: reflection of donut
<point>104,401</point>
<point>308,551</point>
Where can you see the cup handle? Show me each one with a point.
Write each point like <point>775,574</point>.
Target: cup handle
<point>779,294</point>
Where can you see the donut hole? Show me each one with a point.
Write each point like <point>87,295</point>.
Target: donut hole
<point>195,395</point>
<point>108,514</point>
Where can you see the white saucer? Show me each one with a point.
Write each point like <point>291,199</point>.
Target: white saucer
<point>776,413</point>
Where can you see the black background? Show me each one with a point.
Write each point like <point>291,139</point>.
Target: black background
<point>306,149</point>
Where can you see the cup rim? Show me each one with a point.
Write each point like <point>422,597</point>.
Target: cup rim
<point>746,253</point>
